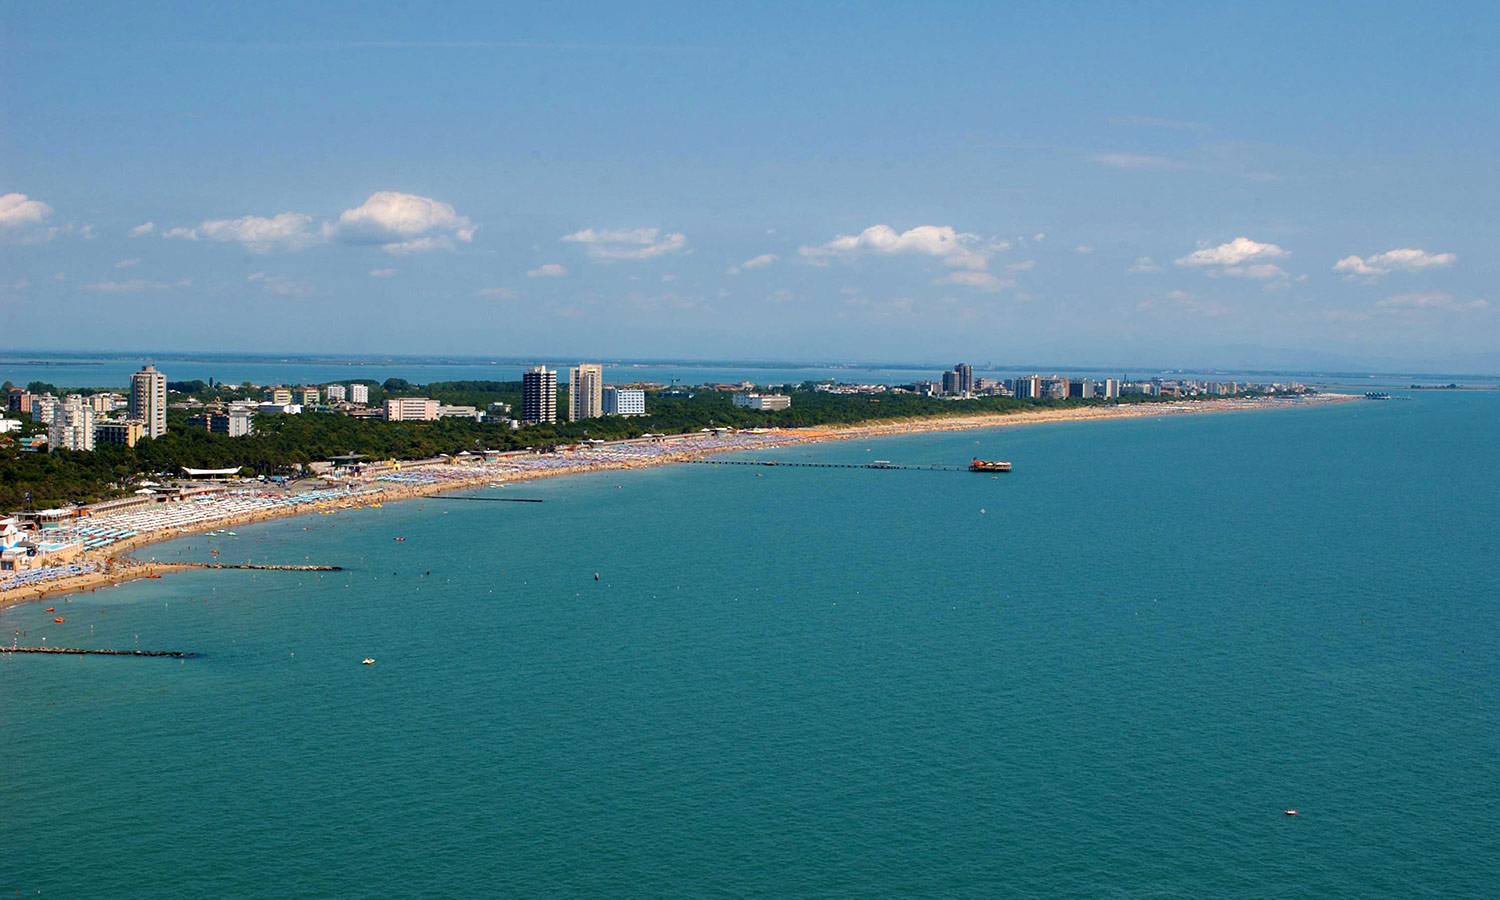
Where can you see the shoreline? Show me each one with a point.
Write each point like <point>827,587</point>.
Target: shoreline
<point>116,566</point>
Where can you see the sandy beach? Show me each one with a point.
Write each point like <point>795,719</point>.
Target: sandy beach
<point>114,564</point>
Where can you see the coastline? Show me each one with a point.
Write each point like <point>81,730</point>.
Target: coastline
<point>113,565</point>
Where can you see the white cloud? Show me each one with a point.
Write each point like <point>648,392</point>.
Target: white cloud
<point>258,234</point>
<point>504,293</point>
<point>1241,257</point>
<point>1432,300</point>
<point>135,286</point>
<point>23,220</point>
<point>1025,265</point>
<point>759,262</point>
<point>402,223</point>
<point>383,273</point>
<point>669,278</point>
<point>1145,264</point>
<point>954,248</point>
<point>1180,302</point>
<point>612,245</point>
<point>732,270</point>
<point>547,270</point>
<point>1138,161</point>
<point>142,229</point>
<point>19,211</point>
<point>1084,249</point>
<point>982,280</point>
<point>281,286</point>
<point>127,263</point>
<point>1403,260</point>
<point>396,222</point>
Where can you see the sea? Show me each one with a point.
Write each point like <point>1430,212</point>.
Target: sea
<point>1109,673</point>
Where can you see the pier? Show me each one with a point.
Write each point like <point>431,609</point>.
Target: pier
<point>807,465</point>
<point>486,499</point>
<point>78,651</point>
<point>265,567</point>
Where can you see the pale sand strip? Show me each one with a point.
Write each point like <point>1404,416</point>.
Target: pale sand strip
<point>116,567</point>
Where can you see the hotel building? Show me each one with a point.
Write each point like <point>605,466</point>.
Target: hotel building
<point>624,401</point>
<point>585,392</point>
<point>411,409</point>
<point>148,400</point>
<point>539,395</point>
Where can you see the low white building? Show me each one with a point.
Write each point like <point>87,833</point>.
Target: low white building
<point>411,409</point>
<point>457,412</point>
<point>764,402</point>
<point>624,401</point>
<point>9,425</point>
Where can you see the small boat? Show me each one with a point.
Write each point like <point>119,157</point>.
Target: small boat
<point>59,620</point>
<point>400,538</point>
<point>51,609</point>
<point>1291,812</point>
<point>153,576</point>
<point>369,661</point>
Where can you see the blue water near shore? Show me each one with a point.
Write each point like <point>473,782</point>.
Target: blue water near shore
<point>1106,674</point>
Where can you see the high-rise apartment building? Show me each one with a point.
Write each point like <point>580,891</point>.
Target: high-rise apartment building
<point>1111,388</point>
<point>336,393</point>
<point>359,393</point>
<point>965,374</point>
<point>585,392</point>
<point>148,400</point>
<point>539,395</point>
<point>72,426</point>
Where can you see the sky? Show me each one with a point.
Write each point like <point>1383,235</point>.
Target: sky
<point>1124,183</point>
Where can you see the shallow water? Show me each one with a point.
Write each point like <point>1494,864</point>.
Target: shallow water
<point>1106,674</point>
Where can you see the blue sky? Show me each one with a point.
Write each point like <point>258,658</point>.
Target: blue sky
<point>1151,182</point>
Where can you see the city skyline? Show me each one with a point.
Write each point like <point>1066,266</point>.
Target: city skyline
<point>966,181</point>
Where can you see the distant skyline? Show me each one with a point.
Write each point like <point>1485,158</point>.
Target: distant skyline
<point>1165,184</point>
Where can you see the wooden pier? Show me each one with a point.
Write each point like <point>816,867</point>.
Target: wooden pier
<point>807,465</point>
<point>266,567</point>
<point>487,499</point>
<point>78,651</point>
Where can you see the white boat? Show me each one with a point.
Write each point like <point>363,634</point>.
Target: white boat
<point>369,661</point>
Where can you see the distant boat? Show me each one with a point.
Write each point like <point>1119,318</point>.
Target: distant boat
<point>369,661</point>
<point>400,538</point>
<point>1291,812</point>
<point>59,619</point>
<point>51,609</point>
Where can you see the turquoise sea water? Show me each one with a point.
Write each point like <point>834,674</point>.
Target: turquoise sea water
<point>1106,674</point>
